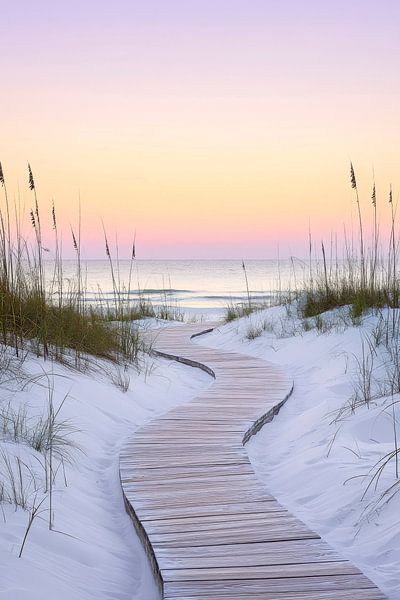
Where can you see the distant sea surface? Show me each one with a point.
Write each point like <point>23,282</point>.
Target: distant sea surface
<point>202,287</point>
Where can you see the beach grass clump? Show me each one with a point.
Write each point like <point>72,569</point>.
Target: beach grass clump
<point>45,314</point>
<point>39,432</point>
<point>52,328</point>
<point>236,311</point>
<point>365,277</point>
<point>35,446</point>
<point>253,332</point>
<point>146,309</point>
<point>376,385</point>
<point>140,309</point>
<point>18,482</point>
<point>169,312</point>
<point>319,299</point>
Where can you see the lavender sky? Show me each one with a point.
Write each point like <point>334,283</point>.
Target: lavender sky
<point>213,128</point>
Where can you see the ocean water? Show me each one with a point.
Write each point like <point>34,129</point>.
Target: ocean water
<point>197,287</point>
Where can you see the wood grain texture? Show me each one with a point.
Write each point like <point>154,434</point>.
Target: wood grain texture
<point>212,531</point>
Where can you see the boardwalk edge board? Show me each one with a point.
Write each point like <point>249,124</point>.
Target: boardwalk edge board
<point>266,418</point>
<point>185,361</point>
<point>142,535</point>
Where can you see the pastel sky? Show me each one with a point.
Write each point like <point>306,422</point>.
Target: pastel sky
<point>214,128</point>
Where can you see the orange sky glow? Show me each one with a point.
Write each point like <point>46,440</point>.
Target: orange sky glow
<point>212,129</point>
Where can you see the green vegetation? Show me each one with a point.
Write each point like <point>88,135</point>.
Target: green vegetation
<point>236,311</point>
<point>51,317</point>
<point>365,278</point>
<point>317,300</point>
<point>143,309</point>
<point>254,332</point>
<point>54,329</point>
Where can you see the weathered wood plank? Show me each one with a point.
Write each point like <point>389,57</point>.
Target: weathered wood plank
<point>230,535</point>
<point>277,520</point>
<point>363,594</point>
<point>240,555</point>
<point>283,585</point>
<point>260,572</point>
<point>149,514</point>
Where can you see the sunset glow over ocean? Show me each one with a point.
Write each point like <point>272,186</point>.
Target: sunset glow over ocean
<point>215,129</point>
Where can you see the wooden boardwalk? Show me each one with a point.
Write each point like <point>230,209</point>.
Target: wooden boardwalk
<point>210,528</point>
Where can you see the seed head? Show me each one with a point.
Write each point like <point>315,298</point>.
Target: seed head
<point>33,220</point>
<point>31,180</point>
<point>353,177</point>
<point>74,240</point>
<point>134,248</point>
<point>53,215</point>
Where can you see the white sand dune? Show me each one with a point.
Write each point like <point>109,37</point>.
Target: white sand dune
<point>317,468</point>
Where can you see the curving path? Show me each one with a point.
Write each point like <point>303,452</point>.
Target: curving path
<point>210,528</point>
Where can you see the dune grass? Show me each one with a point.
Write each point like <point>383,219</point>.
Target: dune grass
<point>236,311</point>
<point>145,308</point>
<point>54,329</point>
<point>49,316</point>
<point>365,277</point>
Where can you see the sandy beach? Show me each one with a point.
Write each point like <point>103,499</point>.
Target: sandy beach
<point>316,461</point>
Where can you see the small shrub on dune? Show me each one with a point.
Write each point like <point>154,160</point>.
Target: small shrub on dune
<point>254,332</point>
